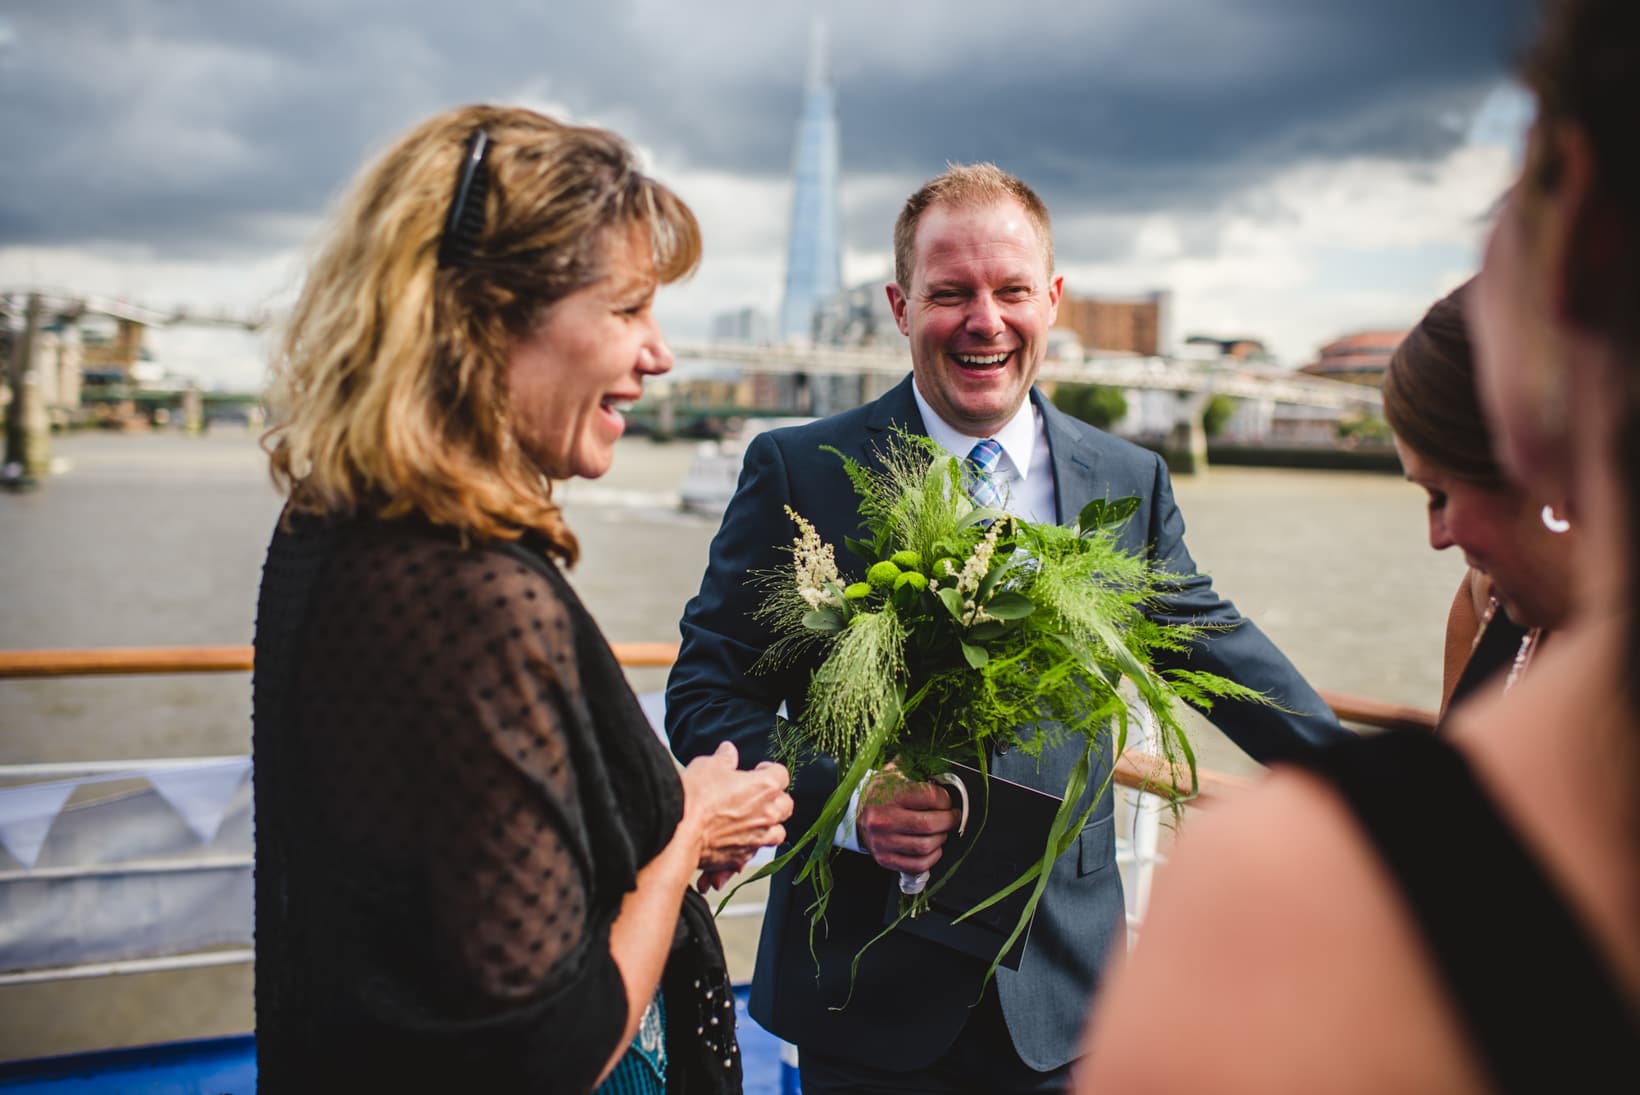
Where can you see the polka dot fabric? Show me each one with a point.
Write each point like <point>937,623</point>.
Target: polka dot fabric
<point>435,695</point>
<point>455,787</point>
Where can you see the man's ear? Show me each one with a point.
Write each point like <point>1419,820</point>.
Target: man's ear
<point>897,301</point>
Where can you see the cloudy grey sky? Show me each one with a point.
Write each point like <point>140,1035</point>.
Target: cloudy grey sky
<point>1290,169</point>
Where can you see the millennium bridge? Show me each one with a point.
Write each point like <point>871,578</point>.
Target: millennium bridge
<point>1236,380</point>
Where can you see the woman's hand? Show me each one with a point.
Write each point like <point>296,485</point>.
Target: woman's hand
<point>727,815</point>
<point>733,813</point>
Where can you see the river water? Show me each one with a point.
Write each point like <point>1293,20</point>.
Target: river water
<point>157,539</point>
<point>154,540</point>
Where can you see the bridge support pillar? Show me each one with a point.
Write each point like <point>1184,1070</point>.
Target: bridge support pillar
<point>193,410</point>
<point>666,410</point>
<point>28,429</point>
<point>1186,447</point>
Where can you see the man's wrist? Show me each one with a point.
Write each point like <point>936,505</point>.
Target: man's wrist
<point>848,831</point>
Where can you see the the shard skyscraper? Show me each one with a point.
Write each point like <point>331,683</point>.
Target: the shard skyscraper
<point>814,258</point>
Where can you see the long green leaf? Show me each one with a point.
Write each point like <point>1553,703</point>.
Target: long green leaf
<point>1010,606</point>
<point>823,619</point>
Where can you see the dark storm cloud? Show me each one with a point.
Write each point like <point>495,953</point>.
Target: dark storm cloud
<point>1148,104</point>
<point>196,127</point>
<point>199,127</point>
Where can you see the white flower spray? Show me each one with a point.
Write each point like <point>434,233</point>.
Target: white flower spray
<point>974,572</point>
<point>814,564</point>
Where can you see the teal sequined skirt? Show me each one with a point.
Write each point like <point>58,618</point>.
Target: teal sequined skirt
<point>642,1070</point>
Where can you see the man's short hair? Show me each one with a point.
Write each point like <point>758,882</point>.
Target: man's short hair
<point>966,185</point>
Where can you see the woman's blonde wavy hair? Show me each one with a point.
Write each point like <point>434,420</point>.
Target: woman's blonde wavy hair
<point>390,384</point>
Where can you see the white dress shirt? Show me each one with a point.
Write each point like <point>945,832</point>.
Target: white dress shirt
<point>1024,472</point>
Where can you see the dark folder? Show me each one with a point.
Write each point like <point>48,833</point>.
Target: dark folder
<point>1006,833</point>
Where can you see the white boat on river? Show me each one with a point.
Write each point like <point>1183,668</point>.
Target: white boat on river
<point>715,467</point>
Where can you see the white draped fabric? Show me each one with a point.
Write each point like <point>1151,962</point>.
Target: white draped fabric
<point>111,866</point>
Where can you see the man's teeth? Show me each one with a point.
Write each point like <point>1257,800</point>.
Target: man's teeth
<point>618,405</point>
<point>979,359</point>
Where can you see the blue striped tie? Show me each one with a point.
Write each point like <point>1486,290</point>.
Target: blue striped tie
<point>981,467</point>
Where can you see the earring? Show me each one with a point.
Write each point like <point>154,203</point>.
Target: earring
<point>1554,522</point>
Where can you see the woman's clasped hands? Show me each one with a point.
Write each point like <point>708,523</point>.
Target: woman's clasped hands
<point>734,812</point>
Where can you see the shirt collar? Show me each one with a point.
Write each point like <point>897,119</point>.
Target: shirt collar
<point>1018,436</point>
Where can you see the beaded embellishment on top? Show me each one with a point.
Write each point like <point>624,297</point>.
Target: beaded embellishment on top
<point>1523,656</point>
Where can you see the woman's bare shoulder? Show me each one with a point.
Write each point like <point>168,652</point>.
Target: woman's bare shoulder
<point>1273,939</point>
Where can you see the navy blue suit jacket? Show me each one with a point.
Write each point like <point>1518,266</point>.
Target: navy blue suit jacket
<point>911,996</point>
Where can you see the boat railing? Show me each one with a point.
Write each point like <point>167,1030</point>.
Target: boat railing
<point>1140,772</point>
<point>143,660</point>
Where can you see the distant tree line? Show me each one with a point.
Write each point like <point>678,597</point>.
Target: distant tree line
<point>1098,405</point>
<point>1103,406</point>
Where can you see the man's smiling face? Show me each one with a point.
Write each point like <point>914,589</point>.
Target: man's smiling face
<point>977,311</point>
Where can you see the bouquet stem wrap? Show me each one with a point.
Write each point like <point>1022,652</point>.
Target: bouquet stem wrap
<point>913,884</point>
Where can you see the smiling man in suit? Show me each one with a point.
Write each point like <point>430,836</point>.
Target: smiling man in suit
<point>976,293</point>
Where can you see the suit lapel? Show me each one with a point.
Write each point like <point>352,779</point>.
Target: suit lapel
<point>897,406</point>
<point>823,493</point>
<point>1074,476</point>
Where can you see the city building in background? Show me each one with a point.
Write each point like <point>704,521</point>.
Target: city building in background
<point>814,257</point>
<point>859,316</point>
<point>1119,324</point>
<point>73,360</point>
<point>1237,348</point>
<point>741,325</point>
<point>1358,358</point>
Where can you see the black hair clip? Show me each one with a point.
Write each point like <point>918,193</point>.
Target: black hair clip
<point>465,223</point>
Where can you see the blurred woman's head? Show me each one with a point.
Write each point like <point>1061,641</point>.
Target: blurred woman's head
<point>479,312</point>
<point>1556,310</point>
<point>1445,447</point>
<point>1562,269</point>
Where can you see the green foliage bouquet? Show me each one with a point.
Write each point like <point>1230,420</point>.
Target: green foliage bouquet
<point>972,630</point>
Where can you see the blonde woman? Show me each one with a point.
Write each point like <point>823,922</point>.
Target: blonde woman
<point>473,855</point>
